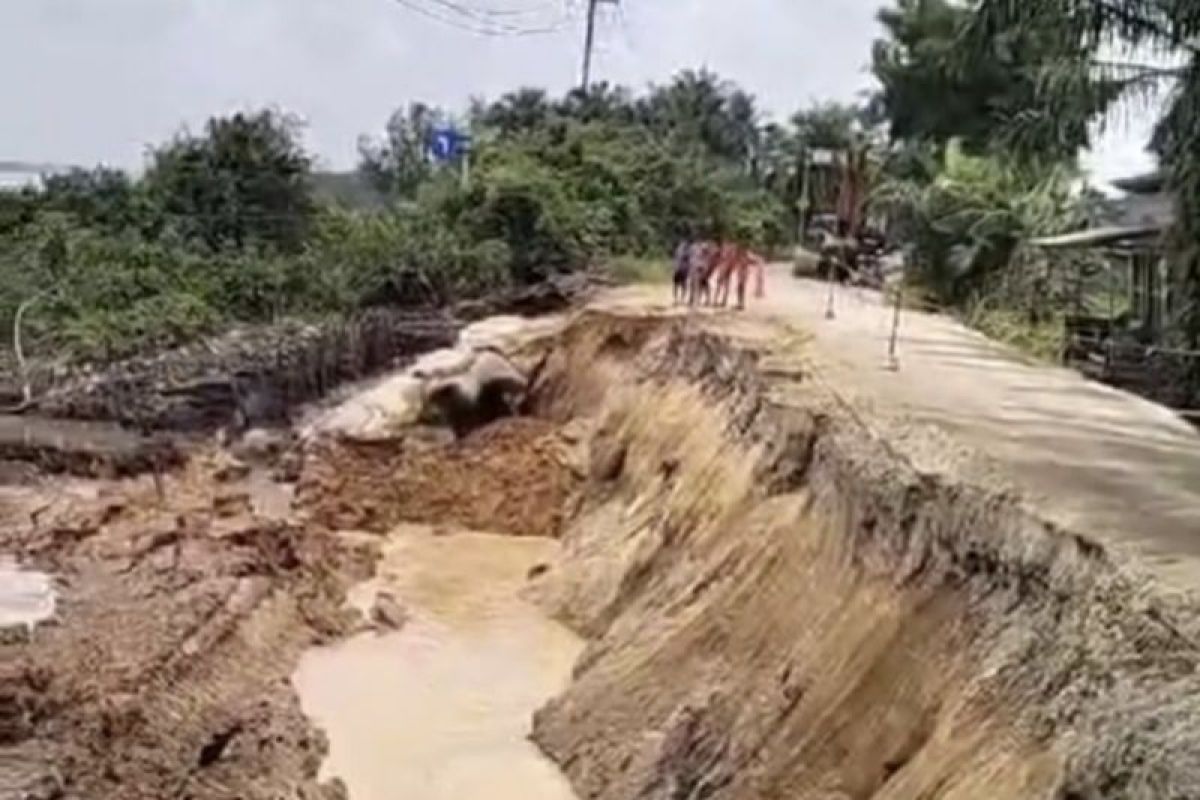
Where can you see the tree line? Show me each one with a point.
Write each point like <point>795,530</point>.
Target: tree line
<point>971,142</point>
<point>232,223</point>
<point>987,107</point>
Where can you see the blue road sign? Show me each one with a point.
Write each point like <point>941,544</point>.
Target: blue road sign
<point>447,144</point>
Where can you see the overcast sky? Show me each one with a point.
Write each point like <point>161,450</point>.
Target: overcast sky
<point>89,81</point>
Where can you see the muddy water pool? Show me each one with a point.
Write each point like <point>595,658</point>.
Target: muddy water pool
<point>441,708</point>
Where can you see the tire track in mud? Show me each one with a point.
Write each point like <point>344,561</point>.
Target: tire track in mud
<point>164,672</point>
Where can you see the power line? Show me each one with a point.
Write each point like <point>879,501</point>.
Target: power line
<point>487,11</point>
<point>469,19</point>
<point>473,24</point>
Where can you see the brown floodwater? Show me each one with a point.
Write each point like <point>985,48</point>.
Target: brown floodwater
<point>441,709</point>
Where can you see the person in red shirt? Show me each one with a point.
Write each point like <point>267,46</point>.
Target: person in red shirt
<point>736,264</point>
<point>726,261</point>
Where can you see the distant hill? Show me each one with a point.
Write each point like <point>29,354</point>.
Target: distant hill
<point>347,189</point>
<point>16,175</point>
<point>30,167</point>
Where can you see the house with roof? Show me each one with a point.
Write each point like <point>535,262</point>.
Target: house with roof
<point>1131,232</point>
<point>1125,345</point>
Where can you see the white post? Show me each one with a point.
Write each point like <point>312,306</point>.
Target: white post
<point>893,343</point>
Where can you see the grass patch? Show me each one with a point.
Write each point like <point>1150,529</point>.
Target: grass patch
<point>632,269</point>
<point>1041,340</point>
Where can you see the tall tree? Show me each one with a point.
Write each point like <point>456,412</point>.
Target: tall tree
<point>99,197</point>
<point>829,126</point>
<point>601,102</point>
<point>936,88</point>
<point>700,108</point>
<point>1149,46</point>
<point>516,112</point>
<point>246,180</point>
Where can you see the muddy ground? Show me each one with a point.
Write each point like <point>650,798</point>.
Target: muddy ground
<point>777,601</point>
<point>165,671</point>
<point>512,477</point>
<point>189,582</point>
<point>181,615</point>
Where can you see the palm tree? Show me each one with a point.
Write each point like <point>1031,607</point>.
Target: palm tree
<point>699,107</point>
<point>1157,49</point>
<point>516,112</point>
<point>600,102</point>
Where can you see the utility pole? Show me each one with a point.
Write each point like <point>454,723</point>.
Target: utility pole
<point>589,41</point>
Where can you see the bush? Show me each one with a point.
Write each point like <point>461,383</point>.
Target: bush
<point>1042,339</point>
<point>224,226</point>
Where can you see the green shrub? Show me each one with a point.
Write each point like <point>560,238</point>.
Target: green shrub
<point>634,269</point>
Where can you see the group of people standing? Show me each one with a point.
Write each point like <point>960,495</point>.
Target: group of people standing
<point>705,272</point>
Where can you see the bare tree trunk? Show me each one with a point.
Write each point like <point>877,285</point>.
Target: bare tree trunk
<point>19,352</point>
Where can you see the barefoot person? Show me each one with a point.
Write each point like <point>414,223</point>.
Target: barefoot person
<point>682,275</point>
<point>748,260</point>
<point>727,261</point>
<point>701,268</point>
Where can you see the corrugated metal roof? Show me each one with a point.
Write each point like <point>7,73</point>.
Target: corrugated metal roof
<point>1136,217</point>
<point>1094,237</point>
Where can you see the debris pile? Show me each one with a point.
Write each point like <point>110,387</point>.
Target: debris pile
<point>509,477</point>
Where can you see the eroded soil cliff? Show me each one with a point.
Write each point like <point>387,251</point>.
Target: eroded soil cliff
<point>781,605</point>
<point>780,598</point>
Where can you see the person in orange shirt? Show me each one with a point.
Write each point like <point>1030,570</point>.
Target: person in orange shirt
<point>736,263</point>
<point>748,260</point>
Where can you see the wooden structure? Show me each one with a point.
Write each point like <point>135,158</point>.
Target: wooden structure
<point>1116,347</point>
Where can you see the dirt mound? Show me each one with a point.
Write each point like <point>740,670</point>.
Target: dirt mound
<point>179,621</point>
<point>512,476</point>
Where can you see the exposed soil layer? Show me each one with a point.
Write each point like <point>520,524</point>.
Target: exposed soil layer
<point>510,477</point>
<point>184,600</point>
<point>780,605</point>
<point>92,449</point>
<point>179,621</point>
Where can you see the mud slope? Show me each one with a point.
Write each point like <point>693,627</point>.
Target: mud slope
<point>780,605</point>
<point>165,673</point>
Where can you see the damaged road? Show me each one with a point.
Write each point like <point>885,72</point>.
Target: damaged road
<point>783,591</point>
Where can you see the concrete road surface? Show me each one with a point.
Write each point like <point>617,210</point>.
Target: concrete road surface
<point>1093,459</point>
